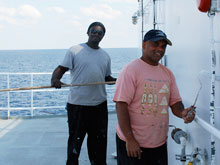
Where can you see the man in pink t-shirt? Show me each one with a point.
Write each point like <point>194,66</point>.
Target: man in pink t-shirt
<point>145,90</point>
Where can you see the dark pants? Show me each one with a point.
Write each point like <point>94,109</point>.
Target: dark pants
<point>149,156</point>
<point>92,120</point>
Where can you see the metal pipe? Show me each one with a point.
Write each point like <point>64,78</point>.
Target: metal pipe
<point>196,157</point>
<point>183,149</point>
<point>154,11</point>
<point>209,128</point>
<point>180,137</point>
<point>199,158</point>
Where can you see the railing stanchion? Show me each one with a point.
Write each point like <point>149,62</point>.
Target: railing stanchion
<point>8,86</point>
<point>31,108</point>
<point>32,97</point>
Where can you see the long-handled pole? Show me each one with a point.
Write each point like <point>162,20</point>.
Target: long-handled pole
<point>65,85</point>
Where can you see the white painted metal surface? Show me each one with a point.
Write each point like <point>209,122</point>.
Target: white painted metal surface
<point>191,34</point>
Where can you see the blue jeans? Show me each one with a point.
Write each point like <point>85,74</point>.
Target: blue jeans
<point>149,156</point>
<point>92,120</point>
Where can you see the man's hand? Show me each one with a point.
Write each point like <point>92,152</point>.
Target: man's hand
<point>188,114</point>
<point>133,148</point>
<point>56,83</point>
<point>57,75</point>
<point>110,78</point>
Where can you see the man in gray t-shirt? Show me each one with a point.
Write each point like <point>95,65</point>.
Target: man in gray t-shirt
<point>87,105</point>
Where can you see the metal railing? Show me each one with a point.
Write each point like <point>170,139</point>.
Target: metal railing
<point>32,107</point>
<point>208,127</point>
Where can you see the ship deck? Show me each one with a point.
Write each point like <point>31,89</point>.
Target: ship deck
<point>43,141</point>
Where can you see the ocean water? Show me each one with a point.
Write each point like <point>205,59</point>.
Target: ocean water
<point>40,61</point>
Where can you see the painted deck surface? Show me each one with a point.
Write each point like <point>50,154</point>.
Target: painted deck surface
<point>43,141</point>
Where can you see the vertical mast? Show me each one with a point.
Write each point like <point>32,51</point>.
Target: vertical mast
<point>154,14</point>
<point>212,92</point>
<point>142,19</point>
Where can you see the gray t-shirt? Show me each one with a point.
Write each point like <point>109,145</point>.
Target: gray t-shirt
<point>87,65</point>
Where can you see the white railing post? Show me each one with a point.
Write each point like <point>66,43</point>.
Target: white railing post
<point>8,86</point>
<point>212,90</point>
<point>32,97</point>
<point>31,106</point>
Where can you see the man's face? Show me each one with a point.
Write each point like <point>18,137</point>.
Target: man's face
<point>154,51</point>
<point>95,34</point>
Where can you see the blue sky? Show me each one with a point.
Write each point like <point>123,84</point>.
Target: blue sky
<point>58,24</point>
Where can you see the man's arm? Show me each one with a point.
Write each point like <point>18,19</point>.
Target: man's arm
<point>132,146</point>
<point>179,111</point>
<point>57,75</point>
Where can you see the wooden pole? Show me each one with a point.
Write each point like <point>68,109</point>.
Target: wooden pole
<point>65,85</point>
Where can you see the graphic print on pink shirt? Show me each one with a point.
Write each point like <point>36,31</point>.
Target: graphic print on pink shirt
<point>154,99</point>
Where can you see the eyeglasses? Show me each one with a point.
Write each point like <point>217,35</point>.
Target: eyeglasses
<point>99,32</point>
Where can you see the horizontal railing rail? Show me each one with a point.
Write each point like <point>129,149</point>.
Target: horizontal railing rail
<point>208,127</point>
<point>32,107</point>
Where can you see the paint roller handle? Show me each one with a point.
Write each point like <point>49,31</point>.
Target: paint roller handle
<point>189,114</point>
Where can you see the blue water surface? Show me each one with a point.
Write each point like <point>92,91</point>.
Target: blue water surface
<point>27,61</point>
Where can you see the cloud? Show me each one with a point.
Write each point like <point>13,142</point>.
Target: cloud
<point>7,11</point>
<point>29,11</point>
<point>7,14</point>
<point>75,21</point>
<point>76,24</point>
<point>25,14</point>
<point>75,17</point>
<point>101,11</point>
<point>56,9</point>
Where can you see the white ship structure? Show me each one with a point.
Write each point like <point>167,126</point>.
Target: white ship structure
<point>193,26</point>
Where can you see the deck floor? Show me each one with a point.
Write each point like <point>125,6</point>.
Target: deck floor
<point>43,141</point>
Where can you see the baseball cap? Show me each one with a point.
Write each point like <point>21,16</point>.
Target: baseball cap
<point>156,35</point>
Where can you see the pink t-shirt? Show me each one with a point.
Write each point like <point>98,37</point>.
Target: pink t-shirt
<point>149,91</point>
